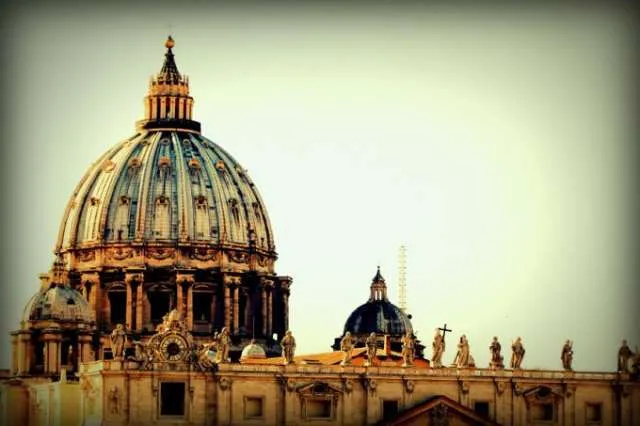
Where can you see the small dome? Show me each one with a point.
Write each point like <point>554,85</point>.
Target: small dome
<point>253,351</point>
<point>379,316</point>
<point>58,303</point>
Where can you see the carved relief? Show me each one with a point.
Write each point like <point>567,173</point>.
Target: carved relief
<point>370,384</point>
<point>86,255</point>
<point>108,166</point>
<point>160,253</point>
<point>439,415</point>
<point>120,253</point>
<point>238,256</point>
<point>224,383</point>
<point>464,386</point>
<point>89,392</point>
<point>114,400</point>
<point>409,385</point>
<point>263,260</point>
<point>500,387</point>
<point>347,385</point>
<point>204,254</point>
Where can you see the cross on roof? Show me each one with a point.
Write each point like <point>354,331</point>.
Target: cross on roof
<point>444,330</point>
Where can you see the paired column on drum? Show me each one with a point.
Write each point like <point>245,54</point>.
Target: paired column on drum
<point>92,292</point>
<point>134,279</point>
<point>266,311</point>
<point>185,307</point>
<point>232,313</point>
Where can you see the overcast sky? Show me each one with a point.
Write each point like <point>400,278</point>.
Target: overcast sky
<point>495,145</point>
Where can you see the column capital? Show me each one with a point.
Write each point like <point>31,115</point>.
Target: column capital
<point>231,280</point>
<point>91,278</point>
<point>134,275</point>
<point>185,277</point>
<point>51,336</point>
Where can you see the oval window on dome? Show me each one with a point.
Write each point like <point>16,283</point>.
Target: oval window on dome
<point>164,141</point>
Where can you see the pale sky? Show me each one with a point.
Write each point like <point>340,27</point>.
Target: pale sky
<point>495,145</point>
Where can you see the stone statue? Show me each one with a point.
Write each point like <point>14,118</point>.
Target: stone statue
<point>222,345</point>
<point>517,353</point>
<point>118,341</point>
<point>408,350</point>
<point>372,346</point>
<point>288,344</point>
<point>463,358</point>
<point>624,355</point>
<point>346,346</point>
<point>496,357</point>
<point>567,355</point>
<point>438,349</point>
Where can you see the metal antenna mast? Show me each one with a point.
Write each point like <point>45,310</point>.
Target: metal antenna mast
<point>402,278</point>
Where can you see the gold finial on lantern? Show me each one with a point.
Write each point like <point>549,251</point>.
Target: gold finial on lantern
<point>169,43</point>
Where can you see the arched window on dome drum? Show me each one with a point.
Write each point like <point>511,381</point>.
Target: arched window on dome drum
<point>202,311</point>
<point>202,218</point>
<point>161,220</point>
<point>122,219</point>
<point>160,302</point>
<point>118,306</point>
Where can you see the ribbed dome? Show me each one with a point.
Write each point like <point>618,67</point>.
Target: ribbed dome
<point>379,316</point>
<point>166,193</point>
<point>58,303</point>
<point>165,187</point>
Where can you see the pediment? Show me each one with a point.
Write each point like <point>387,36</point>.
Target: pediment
<point>319,389</point>
<point>541,395</point>
<point>440,410</point>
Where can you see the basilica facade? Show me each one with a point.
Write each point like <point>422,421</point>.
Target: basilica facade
<point>163,306</point>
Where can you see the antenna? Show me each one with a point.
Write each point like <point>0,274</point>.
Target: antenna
<point>402,278</point>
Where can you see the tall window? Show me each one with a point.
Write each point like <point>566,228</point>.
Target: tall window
<point>122,219</point>
<point>159,302</point>
<point>202,217</point>
<point>162,223</point>
<point>389,409</point>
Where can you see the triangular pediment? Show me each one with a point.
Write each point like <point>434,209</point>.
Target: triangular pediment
<point>318,388</point>
<point>440,410</point>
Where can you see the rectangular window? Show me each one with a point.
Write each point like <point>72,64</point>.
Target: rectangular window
<point>253,407</point>
<point>318,408</point>
<point>542,412</point>
<point>594,412</point>
<point>172,399</point>
<point>389,409</point>
<point>481,408</point>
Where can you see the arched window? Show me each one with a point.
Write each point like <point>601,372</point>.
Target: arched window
<point>122,219</point>
<point>202,217</point>
<point>162,218</point>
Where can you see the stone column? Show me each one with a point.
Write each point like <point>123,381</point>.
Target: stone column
<point>236,309</point>
<point>92,280</point>
<point>132,277</point>
<point>139,307</point>
<point>52,352</point>
<point>270,312</point>
<point>227,305</point>
<point>190,306</point>
<point>263,311</point>
<point>24,352</point>
<point>285,304</point>
<point>182,279</point>
<point>84,349</point>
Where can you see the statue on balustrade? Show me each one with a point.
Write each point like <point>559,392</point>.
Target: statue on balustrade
<point>496,356</point>
<point>288,344</point>
<point>346,346</point>
<point>567,355</point>
<point>372,346</point>
<point>517,354</point>
<point>118,341</point>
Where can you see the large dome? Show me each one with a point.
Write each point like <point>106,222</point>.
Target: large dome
<point>166,195</point>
